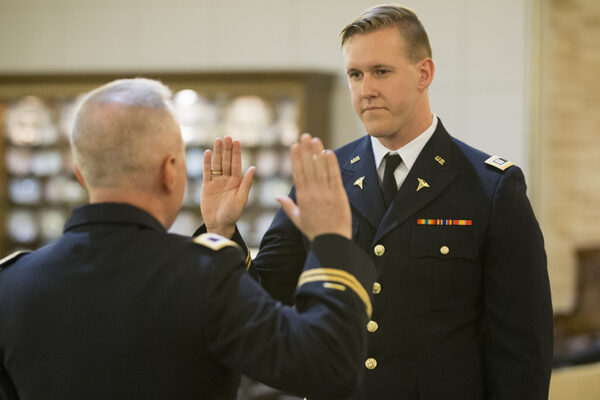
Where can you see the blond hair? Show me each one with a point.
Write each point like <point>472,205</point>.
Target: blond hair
<point>407,22</point>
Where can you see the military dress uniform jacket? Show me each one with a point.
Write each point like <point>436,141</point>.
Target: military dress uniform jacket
<point>120,309</point>
<point>461,305</point>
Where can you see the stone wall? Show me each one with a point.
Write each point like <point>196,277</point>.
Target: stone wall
<point>567,193</point>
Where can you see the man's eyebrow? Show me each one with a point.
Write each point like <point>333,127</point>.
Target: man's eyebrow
<point>377,66</point>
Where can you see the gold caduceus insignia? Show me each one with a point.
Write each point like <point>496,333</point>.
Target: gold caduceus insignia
<point>422,184</point>
<point>359,182</point>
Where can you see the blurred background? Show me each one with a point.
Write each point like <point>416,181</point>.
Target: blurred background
<point>517,78</point>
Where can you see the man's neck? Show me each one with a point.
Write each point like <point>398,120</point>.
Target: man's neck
<point>408,133</point>
<point>140,199</point>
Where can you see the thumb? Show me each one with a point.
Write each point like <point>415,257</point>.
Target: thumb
<point>291,209</point>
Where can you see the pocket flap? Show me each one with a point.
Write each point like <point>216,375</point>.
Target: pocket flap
<point>443,241</point>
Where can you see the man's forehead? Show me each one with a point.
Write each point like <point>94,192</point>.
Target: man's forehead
<point>385,41</point>
<point>373,59</point>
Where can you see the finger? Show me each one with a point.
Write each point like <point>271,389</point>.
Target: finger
<point>297,165</point>
<point>291,209</point>
<point>236,159</point>
<point>218,155</point>
<point>246,183</point>
<point>308,156</point>
<point>226,160</point>
<point>206,171</point>
<point>318,145</point>
<point>320,163</point>
<point>333,170</point>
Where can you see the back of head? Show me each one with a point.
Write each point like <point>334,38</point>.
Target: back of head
<point>383,16</point>
<point>122,130</point>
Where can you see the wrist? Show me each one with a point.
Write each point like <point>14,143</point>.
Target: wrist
<point>345,233</point>
<point>225,231</point>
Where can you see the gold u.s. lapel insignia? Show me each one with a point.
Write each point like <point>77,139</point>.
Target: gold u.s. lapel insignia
<point>355,159</point>
<point>359,182</point>
<point>440,160</point>
<point>422,184</point>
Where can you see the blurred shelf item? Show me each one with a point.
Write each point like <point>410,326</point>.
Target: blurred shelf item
<point>265,111</point>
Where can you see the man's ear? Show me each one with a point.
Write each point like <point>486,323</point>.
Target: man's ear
<point>168,173</point>
<point>426,70</point>
<point>79,176</point>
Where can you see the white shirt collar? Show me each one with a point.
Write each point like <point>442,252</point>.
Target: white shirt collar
<point>409,152</point>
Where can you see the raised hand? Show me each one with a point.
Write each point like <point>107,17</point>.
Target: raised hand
<point>224,189</point>
<point>321,202</point>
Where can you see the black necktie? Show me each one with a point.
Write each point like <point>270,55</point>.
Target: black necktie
<point>389,187</point>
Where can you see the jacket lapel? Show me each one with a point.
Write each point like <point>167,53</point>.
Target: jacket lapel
<point>358,169</point>
<point>431,174</point>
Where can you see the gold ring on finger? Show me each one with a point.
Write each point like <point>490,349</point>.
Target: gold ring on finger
<point>215,172</point>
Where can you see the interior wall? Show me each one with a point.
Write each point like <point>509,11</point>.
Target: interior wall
<point>480,50</point>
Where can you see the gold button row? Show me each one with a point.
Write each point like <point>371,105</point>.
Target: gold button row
<point>372,326</point>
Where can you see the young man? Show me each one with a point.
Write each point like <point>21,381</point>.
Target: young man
<point>120,309</point>
<point>461,305</point>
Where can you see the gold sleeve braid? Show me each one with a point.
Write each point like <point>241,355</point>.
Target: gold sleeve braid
<point>338,276</point>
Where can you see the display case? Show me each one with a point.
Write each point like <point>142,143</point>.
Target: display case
<point>266,111</point>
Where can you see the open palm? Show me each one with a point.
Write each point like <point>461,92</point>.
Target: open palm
<point>224,189</point>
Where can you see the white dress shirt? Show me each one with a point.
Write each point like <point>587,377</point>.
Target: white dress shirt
<point>409,153</point>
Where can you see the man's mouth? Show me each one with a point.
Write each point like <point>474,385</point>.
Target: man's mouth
<point>372,108</point>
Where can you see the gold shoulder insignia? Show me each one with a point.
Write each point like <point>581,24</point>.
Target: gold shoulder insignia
<point>6,261</point>
<point>213,241</point>
<point>499,163</point>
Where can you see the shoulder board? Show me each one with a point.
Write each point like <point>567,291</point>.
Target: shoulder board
<point>213,241</point>
<point>6,261</point>
<point>499,162</point>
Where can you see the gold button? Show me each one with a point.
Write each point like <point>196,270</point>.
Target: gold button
<point>376,287</point>
<point>444,250</point>
<point>372,326</point>
<point>379,250</point>
<point>371,363</point>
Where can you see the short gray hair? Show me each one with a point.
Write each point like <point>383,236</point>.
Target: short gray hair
<point>407,22</point>
<point>117,129</point>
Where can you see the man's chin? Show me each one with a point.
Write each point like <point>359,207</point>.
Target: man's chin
<point>377,132</point>
<point>376,128</point>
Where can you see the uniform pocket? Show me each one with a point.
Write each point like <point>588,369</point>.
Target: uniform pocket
<point>443,242</point>
<point>451,254</point>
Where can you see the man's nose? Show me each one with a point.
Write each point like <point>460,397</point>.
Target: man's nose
<point>368,86</point>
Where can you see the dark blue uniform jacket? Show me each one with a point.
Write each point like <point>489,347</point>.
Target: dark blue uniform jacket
<point>120,309</point>
<point>461,309</point>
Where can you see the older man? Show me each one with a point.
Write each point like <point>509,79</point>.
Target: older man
<point>119,309</point>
